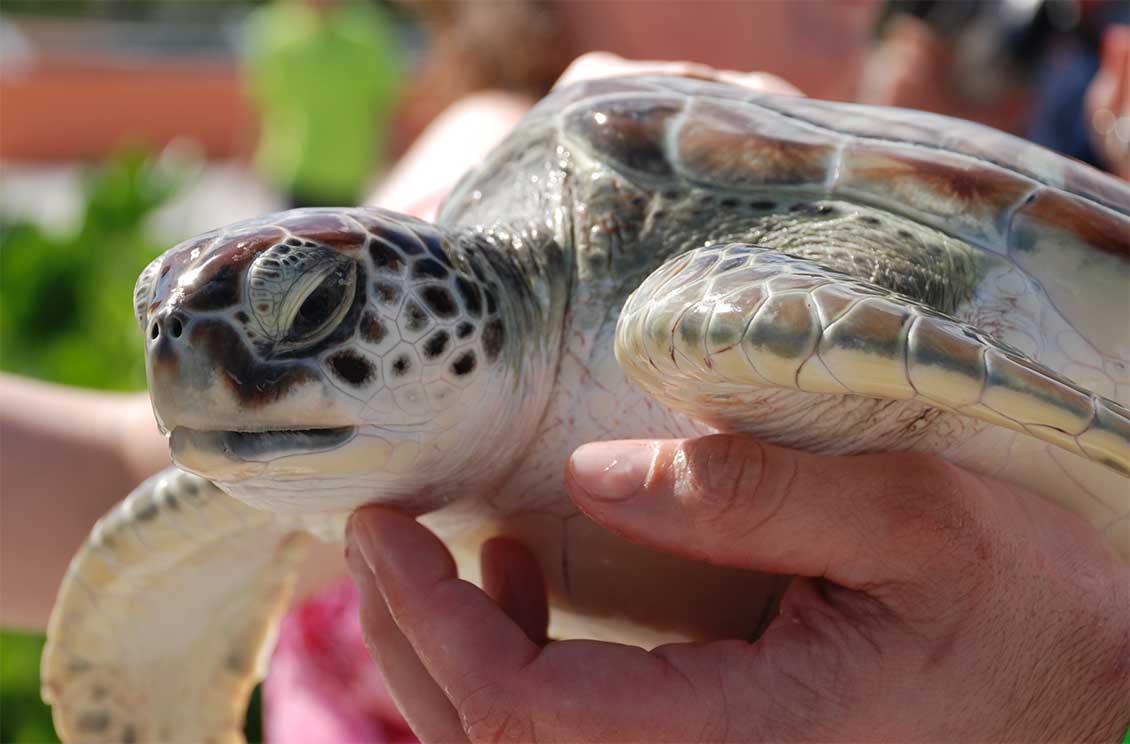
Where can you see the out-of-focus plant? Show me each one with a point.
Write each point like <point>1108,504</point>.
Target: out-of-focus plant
<point>66,315</point>
<point>65,302</point>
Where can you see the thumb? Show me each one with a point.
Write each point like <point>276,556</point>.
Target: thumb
<point>736,501</point>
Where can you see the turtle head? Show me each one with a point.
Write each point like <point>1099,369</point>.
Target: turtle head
<point>316,360</point>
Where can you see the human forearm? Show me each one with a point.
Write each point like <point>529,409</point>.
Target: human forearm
<point>66,456</point>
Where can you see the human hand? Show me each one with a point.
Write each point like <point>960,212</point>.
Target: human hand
<point>1107,101</point>
<point>594,65</point>
<point>930,603</point>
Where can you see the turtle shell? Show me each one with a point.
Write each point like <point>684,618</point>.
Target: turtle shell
<point>1066,224</point>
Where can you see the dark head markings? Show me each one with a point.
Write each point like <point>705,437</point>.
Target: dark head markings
<point>293,241</point>
<point>242,317</point>
<point>440,301</point>
<point>255,383</point>
<point>429,267</point>
<point>222,289</point>
<point>905,234</point>
<point>464,364</point>
<point>869,220</point>
<point>386,259</point>
<point>401,366</point>
<point>432,241</point>
<point>476,268</point>
<point>418,320</point>
<point>372,329</point>
<point>492,339</point>
<point>728,203</point>
<point>763,205</point>
<point>387,294</point>
<point>351,367</point>
<point>436,344</point>
<point>411,246</point>
<point>470,294</point>
<point>464,329</point>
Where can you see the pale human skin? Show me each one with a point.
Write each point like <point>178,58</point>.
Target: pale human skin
<point>1108,100</point>
<point>932,604</point>
<point>66,456</point>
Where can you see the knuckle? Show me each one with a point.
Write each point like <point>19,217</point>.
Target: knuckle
<point>489,714</point>
<point>719,474</point>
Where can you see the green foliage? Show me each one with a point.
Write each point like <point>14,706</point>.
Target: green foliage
<point>66,316</point>
<point>66,309</point>
<point>23,718</point>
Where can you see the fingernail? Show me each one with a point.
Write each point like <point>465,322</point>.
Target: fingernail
<point>612,471</point>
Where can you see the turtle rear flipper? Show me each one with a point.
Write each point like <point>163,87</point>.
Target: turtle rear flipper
<point>719,331</point>
<point>166,614</point>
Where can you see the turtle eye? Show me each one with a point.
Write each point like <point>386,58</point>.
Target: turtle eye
<point>324,307</point>
<point>298,294</point>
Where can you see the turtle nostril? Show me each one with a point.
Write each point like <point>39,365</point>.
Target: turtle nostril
<point>175,327</point>
<point>155,332</point>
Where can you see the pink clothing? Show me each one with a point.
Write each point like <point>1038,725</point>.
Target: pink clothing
<point>323,688</point>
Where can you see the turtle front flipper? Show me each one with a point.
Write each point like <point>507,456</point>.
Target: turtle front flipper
<point>723,332</point>
<point>166,614</point>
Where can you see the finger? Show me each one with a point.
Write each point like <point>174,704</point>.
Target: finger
<point>512,578</point>
<point>464,640</point>
<point>593,65</point>
<point>420,700</point>
<point>733,500</point>
<point>1116,62</point>
<point>498,680</point>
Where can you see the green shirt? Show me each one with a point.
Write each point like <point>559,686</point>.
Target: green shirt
<point>324,83</point>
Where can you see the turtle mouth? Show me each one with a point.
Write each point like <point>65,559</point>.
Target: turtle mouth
<point>261,443</point>
<point>250,445</point>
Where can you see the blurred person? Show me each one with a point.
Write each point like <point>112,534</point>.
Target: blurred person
<point>324,76</point>
<point>1023,68</point>
<point>516,48</point>
<point>1107,102</point>
<point>520,47</point>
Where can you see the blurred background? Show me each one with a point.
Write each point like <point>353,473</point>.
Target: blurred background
<point>129,125</point>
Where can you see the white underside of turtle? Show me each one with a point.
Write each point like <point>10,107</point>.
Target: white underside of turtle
<point>643,257</point>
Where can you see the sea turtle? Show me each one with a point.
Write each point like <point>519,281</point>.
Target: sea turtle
<point>646,256</point>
